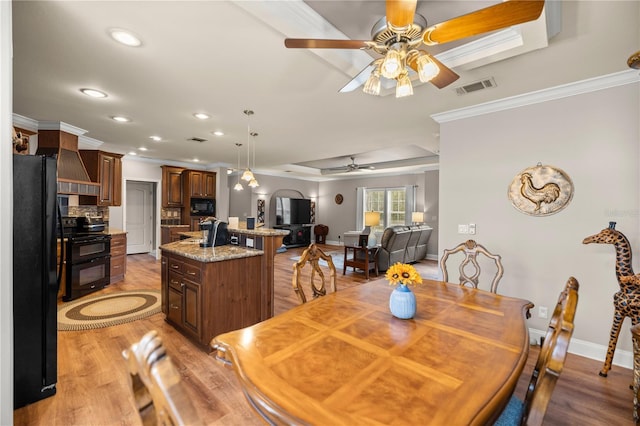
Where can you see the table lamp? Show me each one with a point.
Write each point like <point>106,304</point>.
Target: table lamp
<point>417,217</point>
<point>368,238</point>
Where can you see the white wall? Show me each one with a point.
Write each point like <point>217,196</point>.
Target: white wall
<point>6,218</point>
<point>594,137</point>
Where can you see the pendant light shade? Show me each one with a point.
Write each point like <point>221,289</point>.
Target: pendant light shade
<point>248,174</point>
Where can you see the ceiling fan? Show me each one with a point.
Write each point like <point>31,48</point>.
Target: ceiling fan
<point>399,35</point>
<point>352,167</point>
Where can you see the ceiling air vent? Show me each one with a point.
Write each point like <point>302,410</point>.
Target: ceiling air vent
<point>475,86</point>
<point>195,139</point>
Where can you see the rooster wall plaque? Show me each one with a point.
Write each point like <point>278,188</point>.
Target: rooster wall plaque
<point>541,190</point>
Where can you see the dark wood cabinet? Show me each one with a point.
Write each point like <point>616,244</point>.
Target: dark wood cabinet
<point>172,186</point>
<point>199,184</point>
<point>170,234</point>
<point>104,168</point>
<point>204,299</point>
<point>118,266</point>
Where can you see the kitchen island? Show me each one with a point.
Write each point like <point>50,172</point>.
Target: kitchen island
<point>209,290</point>
<point>266,239</point>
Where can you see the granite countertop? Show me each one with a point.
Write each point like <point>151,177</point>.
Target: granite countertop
<point>190,248</point>
<point>114,231</point>
<point>174,226</point>
<point>263,232</point>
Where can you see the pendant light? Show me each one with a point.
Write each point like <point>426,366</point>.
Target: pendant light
<point>238,186</point>
<point>253,183</point>
<point>248,174</point>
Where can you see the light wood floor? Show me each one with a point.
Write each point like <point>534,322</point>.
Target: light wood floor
<point>93,386</point>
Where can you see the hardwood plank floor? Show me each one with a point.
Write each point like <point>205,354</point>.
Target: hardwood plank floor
<point>93,383</point>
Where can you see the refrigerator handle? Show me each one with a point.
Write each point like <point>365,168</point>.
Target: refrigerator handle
<point>62,246</point>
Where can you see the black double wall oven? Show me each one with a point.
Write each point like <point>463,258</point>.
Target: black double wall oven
<point>88,258</point>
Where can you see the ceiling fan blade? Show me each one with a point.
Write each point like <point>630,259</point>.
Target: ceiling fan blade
<point>317,43</point>
<point>445,77</point>
<point>491,18</point>
<point>400,13</point>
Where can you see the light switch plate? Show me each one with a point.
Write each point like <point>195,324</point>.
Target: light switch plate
<point>472,228</point>
<point>463,229</point>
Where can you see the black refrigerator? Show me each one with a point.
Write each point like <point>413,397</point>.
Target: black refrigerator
<point>35,284</point>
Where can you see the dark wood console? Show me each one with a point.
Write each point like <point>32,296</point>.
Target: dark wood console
<point>299,235</point>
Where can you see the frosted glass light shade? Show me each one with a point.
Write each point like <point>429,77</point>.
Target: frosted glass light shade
<point>253,183</point>
<point>417,217</point>
<point>238,187</point>
<point>392,64</point>
<point>372,86</point>
<point>404,88</point>
<point>247,175</point>
<point>427,69</point>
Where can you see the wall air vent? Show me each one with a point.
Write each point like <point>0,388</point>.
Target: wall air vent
<point>475,86</point>
<point>195,139</point>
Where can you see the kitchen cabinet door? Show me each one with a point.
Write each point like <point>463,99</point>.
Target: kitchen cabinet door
<point>172,186</point>
<point>104,168</point>
<point>195,184</point>
<point>209,181</point>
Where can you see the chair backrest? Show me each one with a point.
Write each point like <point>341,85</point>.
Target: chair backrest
<point>471,250</point>
<point>159,393</point>
<point>313,256</point>
<point>552,355</point>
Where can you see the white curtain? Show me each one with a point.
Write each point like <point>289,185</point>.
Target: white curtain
<point>360,208</point>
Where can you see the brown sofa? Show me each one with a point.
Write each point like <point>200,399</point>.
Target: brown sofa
<point>405,244</point>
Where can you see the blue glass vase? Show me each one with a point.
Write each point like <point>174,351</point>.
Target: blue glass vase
<point>402,302</point>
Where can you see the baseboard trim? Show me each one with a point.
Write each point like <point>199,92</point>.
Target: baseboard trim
<point>590,350</point>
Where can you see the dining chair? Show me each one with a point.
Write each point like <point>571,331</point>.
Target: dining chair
<point>549,365</point>
<point>319,262</point>
<point>471,249</point>
<point>635,337</point>
<point>158,391</point>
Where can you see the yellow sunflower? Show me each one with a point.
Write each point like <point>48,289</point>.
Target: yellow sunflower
<point>402,273</point>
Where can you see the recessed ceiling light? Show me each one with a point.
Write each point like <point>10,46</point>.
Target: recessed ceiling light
<point>133,153</point>
<point>196,160</point>
<point>94,93</point>
<point>201,115</point>
<point>155,138</point>
<point>218,133</point>
<point>125,37</point>
<point>120,119</point>
<point>142,148</point>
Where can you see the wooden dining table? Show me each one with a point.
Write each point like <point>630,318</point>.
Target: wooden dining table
<point>344,359</point>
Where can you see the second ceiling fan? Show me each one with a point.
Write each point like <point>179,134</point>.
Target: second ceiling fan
<point>399,35</point>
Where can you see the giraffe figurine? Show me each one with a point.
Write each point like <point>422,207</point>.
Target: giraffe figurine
<point>626,302</point>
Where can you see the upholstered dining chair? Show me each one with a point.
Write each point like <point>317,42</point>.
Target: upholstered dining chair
<point>157,388</point>
<point>319,263</point>
<point>635,337</point>
<point>549,365</point>
<point>471,249</point>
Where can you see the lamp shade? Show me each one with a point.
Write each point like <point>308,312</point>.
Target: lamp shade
<point>371,218</point>
<point>417,217</point>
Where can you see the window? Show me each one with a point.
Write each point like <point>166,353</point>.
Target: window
<point>391,203</point>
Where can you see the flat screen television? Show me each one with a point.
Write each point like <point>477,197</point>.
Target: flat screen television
<point>293,211</point>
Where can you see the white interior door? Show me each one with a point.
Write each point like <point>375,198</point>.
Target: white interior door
<point>139,217</point>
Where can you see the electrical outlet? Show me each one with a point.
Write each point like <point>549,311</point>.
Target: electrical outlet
<point>463,229</point>
<point>472,228</point>
<point>542,312</point>
<point>249,242</point>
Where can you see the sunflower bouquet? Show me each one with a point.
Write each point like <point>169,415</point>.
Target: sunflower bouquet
<point>404,274</point>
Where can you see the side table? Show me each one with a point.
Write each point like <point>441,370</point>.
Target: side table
<point>363,258</point>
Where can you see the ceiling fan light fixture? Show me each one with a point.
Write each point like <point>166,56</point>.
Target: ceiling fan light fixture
<point>392,64</point>
<point>427,69</point>
<point>372,85</point>
<point>404,88</point>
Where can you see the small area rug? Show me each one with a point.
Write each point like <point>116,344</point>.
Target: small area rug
<point>107,310</point>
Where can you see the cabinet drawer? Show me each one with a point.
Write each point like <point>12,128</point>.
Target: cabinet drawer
<point>191,272</point>
<point>117,265</point>
<point>174,313</point>
<point>118,250</point>
<point>176,265</point>
<point>118,240</point>
<point>175,281</point>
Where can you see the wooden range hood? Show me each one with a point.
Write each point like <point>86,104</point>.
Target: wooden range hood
<point>72,175</point>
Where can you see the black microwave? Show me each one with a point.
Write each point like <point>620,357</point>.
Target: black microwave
<point>203,207</point>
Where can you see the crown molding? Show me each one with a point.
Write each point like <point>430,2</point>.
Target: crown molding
<point>545,95</point>
<point>85,142</point>
<point>25,122</point>
<point>62,126</point>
